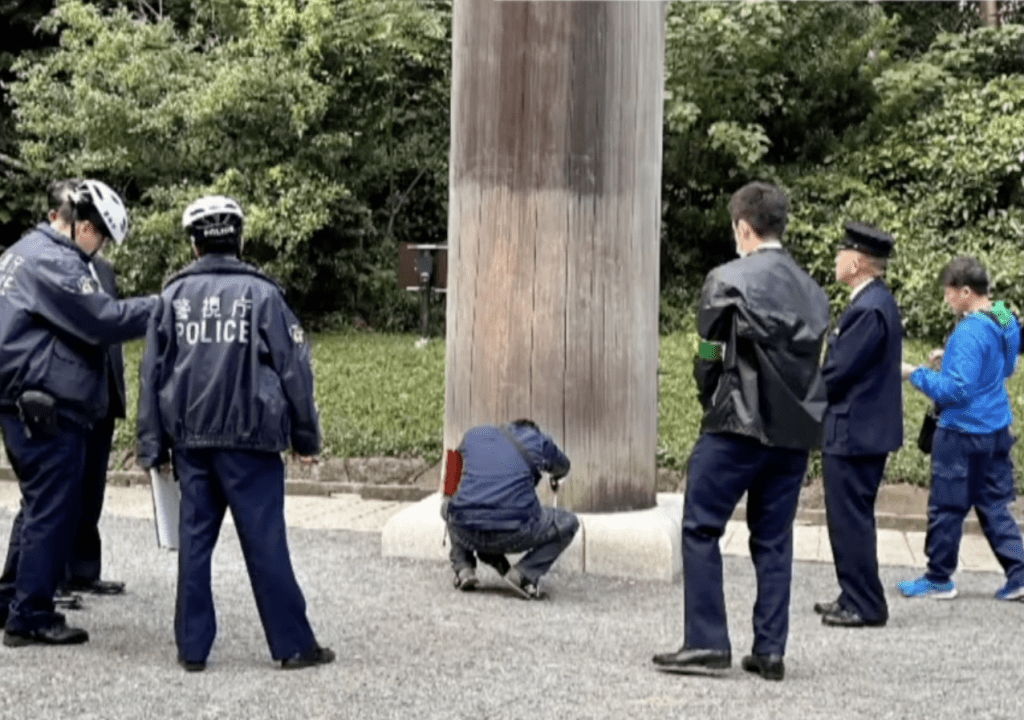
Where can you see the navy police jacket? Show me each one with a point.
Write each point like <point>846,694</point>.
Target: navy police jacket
<point>497,492</point>
<point>862,375</point>
<point>56,324</point>
<point>226,366</point>
<point>772,317</point>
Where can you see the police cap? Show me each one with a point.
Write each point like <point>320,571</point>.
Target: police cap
<point>868,240</point>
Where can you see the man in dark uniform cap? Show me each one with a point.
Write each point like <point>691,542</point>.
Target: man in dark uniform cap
<point>864,423</point>
<point>763,320</point>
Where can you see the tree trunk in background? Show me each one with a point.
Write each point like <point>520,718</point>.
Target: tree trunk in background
<point>553,234</point>
<point>989,10</point>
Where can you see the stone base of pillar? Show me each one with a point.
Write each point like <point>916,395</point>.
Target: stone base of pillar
<point>642,544</point>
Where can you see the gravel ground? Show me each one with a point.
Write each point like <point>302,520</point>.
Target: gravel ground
<point>411,647</point>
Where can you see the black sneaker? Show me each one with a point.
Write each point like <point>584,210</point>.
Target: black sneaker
<point>465,580</point>
<point>316,656</point>
<point>522,585</point>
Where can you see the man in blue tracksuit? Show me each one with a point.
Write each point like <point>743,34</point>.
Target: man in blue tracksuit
<point>55,326</point>
<point>495,509</point>
<point>762,319</point>
<point>971,465</point>
<point>864,423</point>
<point>227,384</point>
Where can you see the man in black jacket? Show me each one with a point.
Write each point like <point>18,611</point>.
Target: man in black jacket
<point>227,383</point>
<point>762,320</point>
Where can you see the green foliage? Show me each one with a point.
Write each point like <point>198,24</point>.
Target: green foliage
<point>939,166</point>
<point>326,119</point>
<point>751,89</point>
<point>380,395</point>
<point>377,395</point>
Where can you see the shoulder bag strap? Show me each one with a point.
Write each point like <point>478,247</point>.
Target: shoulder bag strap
<point>523,452</point>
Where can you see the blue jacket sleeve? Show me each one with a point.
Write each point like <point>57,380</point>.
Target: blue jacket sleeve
<point>67,297</point>
<point>291,359</point>
<point>961,370</point>
<point>153,446</point>
<point>553,460</point>
<point>857,349</point>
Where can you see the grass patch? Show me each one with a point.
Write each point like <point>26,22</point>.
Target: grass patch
<point>380,395</point>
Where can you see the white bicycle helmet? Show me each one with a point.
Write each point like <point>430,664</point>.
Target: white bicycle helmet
<point>212,217</point>
<point>107,204</point>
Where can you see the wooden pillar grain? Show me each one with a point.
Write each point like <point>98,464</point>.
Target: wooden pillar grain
<point>553,234</point>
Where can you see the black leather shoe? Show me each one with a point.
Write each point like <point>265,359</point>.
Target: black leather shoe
<point>824,608</point>
<point>686,658</point>
<point>56,634</point>
<point>316,656</point>
<point>190,666</point>
<point>770,667</point>
<point>848,618</point>
<point>97,587</point>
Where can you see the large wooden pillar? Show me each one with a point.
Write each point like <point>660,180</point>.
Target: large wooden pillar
<point>553,233</point>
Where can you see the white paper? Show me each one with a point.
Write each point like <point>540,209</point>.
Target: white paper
<point>166,505</point>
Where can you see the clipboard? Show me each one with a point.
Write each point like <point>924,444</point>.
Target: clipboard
<point>166,506</point>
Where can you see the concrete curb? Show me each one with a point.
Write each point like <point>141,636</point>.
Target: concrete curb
<point>895,497</point>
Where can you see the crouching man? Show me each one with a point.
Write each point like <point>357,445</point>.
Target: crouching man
<point>495,509</point>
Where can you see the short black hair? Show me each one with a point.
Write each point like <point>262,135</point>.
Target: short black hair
<point>526,422</point>
<point>227,245</point>
<point>61,197</point>
<point>966,271</point>
<point>763,206</point>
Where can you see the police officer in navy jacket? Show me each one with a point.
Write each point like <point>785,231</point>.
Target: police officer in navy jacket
<point>227,384</point>
<point>55,326</point>
<point>864,423</point>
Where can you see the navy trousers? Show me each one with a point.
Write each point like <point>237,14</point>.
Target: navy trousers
<point>722,467</point>
<point>251,484</point>
<point>49,471</point>
<point>85,562</point>
<point>972,470</point>
<point>851,487</point>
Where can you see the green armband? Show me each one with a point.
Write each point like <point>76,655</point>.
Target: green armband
<point>708,350</point>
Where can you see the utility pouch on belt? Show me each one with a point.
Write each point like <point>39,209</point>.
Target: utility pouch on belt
<point>38,410</point>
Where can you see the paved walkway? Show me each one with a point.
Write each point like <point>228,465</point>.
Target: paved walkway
<point>409,646</point>
<point>351,512</point>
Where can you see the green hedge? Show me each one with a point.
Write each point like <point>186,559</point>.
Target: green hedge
<point>381,395</point>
